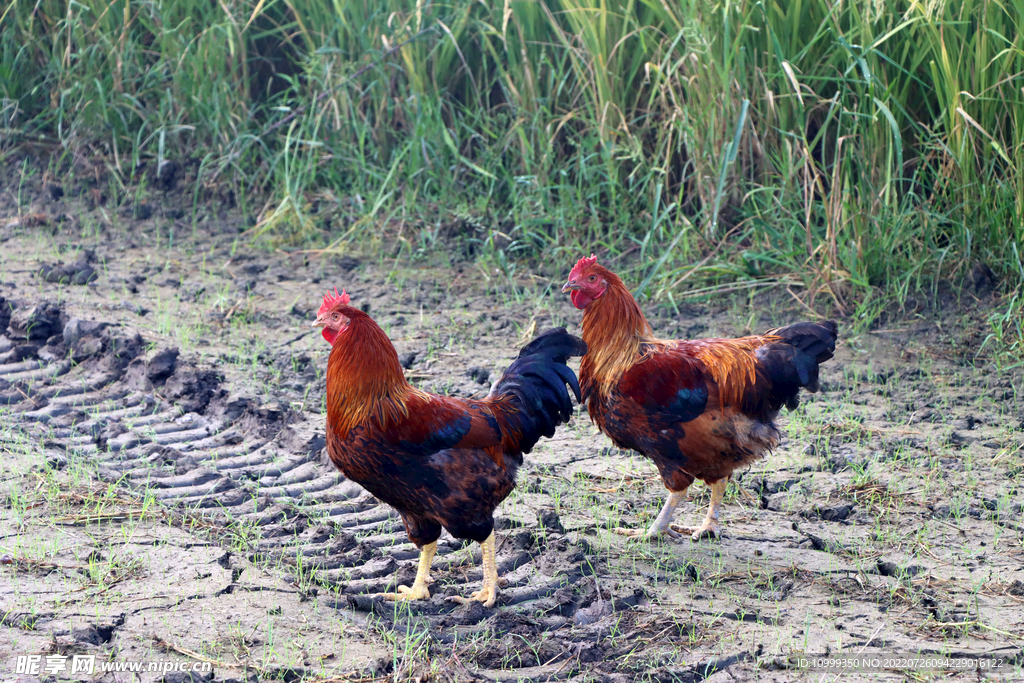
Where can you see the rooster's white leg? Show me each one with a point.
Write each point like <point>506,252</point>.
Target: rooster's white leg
<point>663,522</point>
<point>419,589</point>
<point>488,592</point>
<point>710,528</point>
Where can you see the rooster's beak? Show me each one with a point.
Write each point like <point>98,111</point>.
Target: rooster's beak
<point>319,322</point>
<point>570,287</point>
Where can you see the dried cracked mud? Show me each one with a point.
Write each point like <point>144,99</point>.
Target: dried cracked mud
<point>167,496</point>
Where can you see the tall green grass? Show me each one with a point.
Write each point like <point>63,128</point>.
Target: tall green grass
<point>862,149</point>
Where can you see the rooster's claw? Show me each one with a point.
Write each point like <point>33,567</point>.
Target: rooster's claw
<point>406,593</point>
<point>709,531</point>
<point>487,595</point>
<point>652,534</point>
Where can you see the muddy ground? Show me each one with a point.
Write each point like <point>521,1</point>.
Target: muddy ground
<point>166,495</point>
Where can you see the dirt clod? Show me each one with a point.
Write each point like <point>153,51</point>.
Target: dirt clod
<point>166,173</point>
<point>832,513</point>
<point>161,365</point>
<point>982,278</point>
<point>6,307</point>
<point>187,677</point>
<point>86,347</point>
<point>141,211</point>
<point>960,440</point>
<point>86,634</point>
<point>75,329</point>
<point>38,322</point>
<point>193,389</point>
<point>479,375</point>
<point>551,521</point>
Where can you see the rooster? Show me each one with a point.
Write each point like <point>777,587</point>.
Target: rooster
<point>440,461</point>
<point>700,409</point>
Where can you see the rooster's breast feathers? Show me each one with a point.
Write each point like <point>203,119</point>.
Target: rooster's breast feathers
<point>671,382</point>
<point>437,423</point>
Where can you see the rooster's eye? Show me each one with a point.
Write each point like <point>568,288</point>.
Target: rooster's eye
<point>592,278</point>
<point>334,316</point>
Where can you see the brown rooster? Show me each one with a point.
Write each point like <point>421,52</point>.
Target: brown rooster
<point>699,409</point>
<point>440,461</point>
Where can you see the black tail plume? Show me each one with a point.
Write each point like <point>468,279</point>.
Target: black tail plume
<point>792,363</point>
<point>537,378</point>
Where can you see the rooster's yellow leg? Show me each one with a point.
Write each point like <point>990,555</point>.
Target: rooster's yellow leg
<point>662,524</point>
<point>488,592</point>
<point>710,528</point>
<point>419,589</point>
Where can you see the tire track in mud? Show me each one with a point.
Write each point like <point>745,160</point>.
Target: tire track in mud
<point>151,421</point>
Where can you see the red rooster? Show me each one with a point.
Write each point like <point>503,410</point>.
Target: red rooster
<point>440,461</point>
<point>699,409</point>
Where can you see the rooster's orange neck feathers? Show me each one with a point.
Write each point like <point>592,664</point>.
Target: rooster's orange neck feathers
<point>364,378</point>
<point>615,331</point>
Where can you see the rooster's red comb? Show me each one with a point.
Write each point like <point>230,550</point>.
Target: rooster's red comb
<point>582,265</point>
<point>330,301</point>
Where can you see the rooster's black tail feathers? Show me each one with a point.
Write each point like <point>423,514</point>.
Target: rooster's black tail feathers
<point>792,363</point>
<point>537,378</point>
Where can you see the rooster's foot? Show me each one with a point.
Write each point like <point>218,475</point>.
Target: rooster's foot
<point>652,534</point>
<point>488,595</point>
<point>488,592</point>
<point>417,592</point>
<point>711,531</point>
